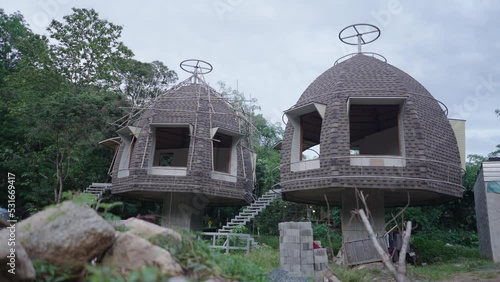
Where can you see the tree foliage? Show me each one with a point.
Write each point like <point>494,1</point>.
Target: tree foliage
<point>88,49</point>
<point>143,82</point>
<point>58,101</point>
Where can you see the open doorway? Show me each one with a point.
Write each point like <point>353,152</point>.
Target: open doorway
<point>171,146</point>
<point>374,129</point>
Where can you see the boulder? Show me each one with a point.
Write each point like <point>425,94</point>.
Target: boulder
<point>68,234</point>
<point>14,266</point>
<point>130,252</point>
<point>148,230</point>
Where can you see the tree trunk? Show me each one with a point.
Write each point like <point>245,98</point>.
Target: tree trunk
<point>60,159</point>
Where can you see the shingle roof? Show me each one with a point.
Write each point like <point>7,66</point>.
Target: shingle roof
<point>433,161</point>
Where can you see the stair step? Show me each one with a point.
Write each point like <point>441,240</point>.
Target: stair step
<point>254,208</point>
<point>101,185</point>
<point>238,219</point>
<point>250,212</point>
<point>259,204</point>
<point>251,215</point>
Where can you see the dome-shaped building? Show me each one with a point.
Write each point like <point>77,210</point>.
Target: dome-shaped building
<point>188,149</point>
<point>374,128</point>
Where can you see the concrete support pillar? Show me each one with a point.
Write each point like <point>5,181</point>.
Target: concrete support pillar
<point>352,226</point>
<point>183,210</point>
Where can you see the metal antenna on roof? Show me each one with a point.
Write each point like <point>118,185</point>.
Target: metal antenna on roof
<point>370,31</point>
<point>197,67</point>
<point>359,34</point>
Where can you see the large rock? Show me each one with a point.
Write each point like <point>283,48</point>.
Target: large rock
<point>130,252</point>
<point>68,234</point>
<point>14,266</point>
<point>148,230</point>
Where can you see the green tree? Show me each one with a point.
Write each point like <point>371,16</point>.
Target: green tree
<point>142,82</point>
<point>88,49</point>
<point>49,135</point>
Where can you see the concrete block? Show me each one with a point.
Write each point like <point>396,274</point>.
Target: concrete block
<point>294,253</point>
<point>306,260</point>
<point>292,232</point>
<point>304,225</point>
<point>306,232</point>
<point>292,261</point>
<point>320,259</point>
<point>307,246</point>
<point>318,266</point>
<point>307,253</point>
<point>286,267</point>
<point>291,239</point>
<point>306,239</point>
<point>320,252</point>
<point>290,246</point>
<point>295,268</point>
<point>307,267</point>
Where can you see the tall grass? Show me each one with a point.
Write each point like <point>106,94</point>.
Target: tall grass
<point>265,258</point>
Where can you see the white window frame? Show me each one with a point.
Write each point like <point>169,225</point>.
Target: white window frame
<point>233,168</point>
<point>293,115</point>
<point>166,170</point>
<point>127,134</point>
<point>381,160</point>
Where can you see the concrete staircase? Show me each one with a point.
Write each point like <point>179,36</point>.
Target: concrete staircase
<point>98,189</point>
<point>251,211</point>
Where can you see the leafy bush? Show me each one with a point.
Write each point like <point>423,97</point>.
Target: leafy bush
<point>47,272</point>
<point>454,237</point>
<point>320,233</point>
<point>432,251</point>
<point>200,261</point>
<point>272,241</point>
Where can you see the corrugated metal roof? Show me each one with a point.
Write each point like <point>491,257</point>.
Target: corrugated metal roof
<point>491,171</point>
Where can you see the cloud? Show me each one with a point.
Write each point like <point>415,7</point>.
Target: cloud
<point>275,49</point>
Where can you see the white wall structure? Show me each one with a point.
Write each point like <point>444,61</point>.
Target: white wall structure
<point>487,200</point>
<point>458,126</point>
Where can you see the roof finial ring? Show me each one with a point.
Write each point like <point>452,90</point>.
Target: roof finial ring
<point>196,66</point>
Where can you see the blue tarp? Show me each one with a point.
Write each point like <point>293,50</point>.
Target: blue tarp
<point>493,186</point>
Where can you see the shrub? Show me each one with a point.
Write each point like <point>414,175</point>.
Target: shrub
<point>200,261</point>
<point>432,251</point>
<point>271,241</point>
<point>47,272</point>
<point>320,233</point>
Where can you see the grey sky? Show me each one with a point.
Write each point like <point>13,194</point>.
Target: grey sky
<point>275,49</point>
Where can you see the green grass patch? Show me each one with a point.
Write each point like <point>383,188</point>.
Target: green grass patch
<point>348,274</point>
<point>444,270</point>
<point>201,262</point>
<point>271,241</point>
<point>265,257</point>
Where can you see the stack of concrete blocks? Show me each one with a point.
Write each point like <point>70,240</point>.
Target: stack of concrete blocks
<point>297,255</point>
